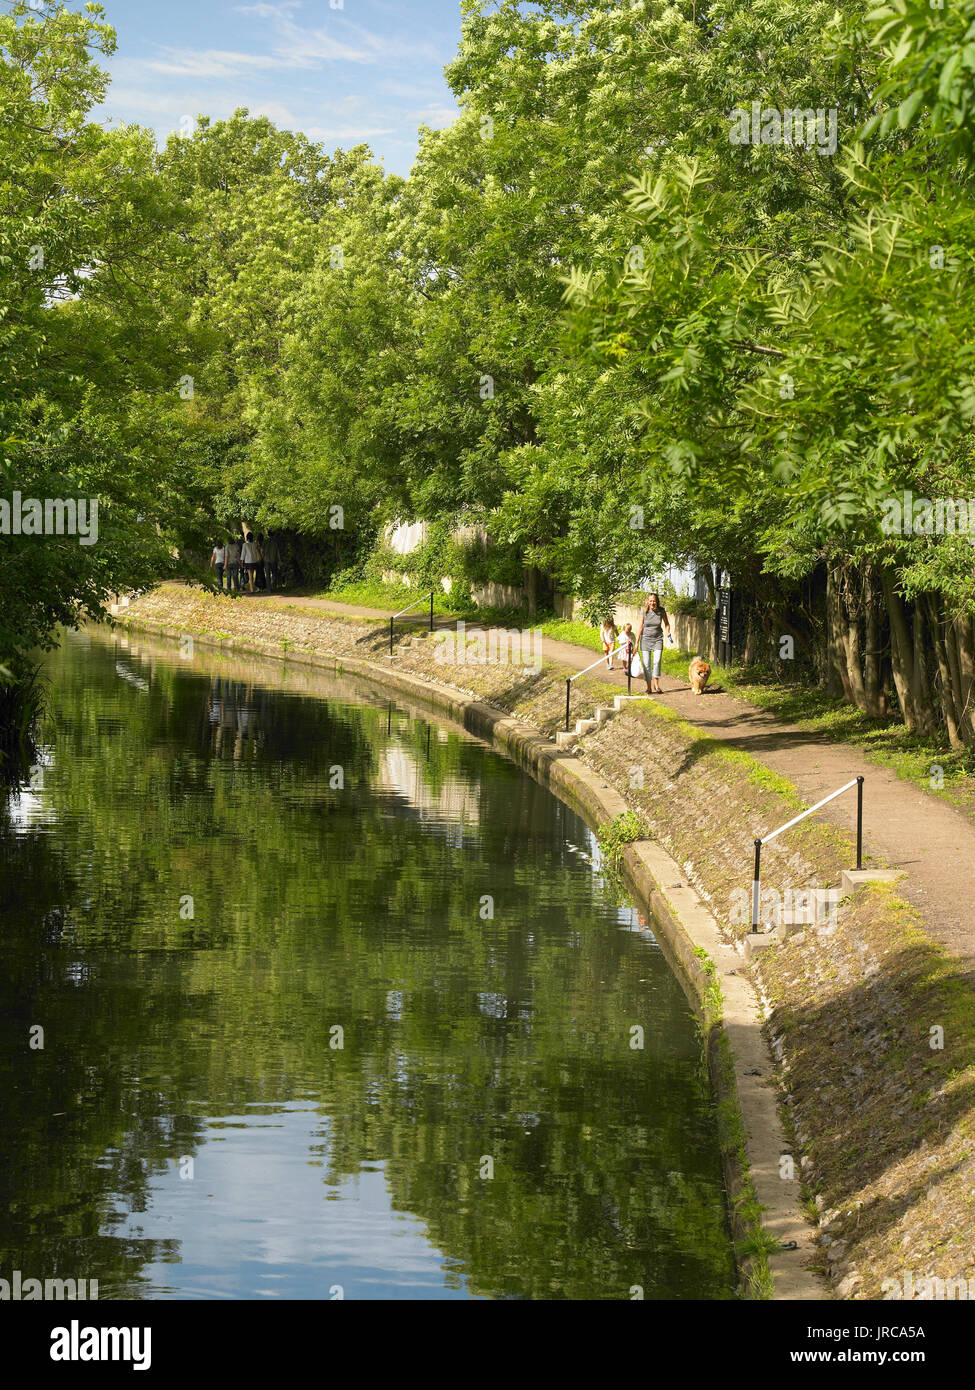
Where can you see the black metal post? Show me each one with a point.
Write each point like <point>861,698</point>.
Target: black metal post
<point>859,822</point>
<point>431,610</point>
<point>629,670</point>
<point>756,884</point>
<point>568,692</point>
<point>391,637</point>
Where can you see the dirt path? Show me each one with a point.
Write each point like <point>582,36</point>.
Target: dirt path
<point>347,610</point>
<point>903,826</point>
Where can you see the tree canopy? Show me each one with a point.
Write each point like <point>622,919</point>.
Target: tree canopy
<point>683,282</point>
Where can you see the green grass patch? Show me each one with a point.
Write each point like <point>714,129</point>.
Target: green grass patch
<point>621,831</point>
<point>373,593</point>
<point>579,633</point>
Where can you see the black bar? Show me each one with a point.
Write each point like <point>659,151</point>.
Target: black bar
<point>391,637</point>
<point>220,1331</point>
<point>629,672</point>
<point>859,822</point>
<point>756,897</point>
<point>431,610</point>
<point>568,691</point>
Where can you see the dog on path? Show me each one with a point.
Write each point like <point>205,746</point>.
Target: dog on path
<point>699,673</point>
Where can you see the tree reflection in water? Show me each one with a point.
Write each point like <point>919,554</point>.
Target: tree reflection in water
<point>205,1029</point>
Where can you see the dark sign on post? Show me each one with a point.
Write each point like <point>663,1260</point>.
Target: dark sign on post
<point>724,626</point>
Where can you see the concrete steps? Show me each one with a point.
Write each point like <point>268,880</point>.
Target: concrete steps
<point>567,738</point>
<point>852,879</point>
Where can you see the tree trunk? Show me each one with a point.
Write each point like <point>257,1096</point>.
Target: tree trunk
<point>750,655</point>
<point>964,629</point>
<point>954,669</point>
<point>920,685</point>
<point>871,655</point>
<point>901,658</point>
<point>851,643</point>
<point>854,670</point>
<point>930,608</point>
<point>531,589</point>
<point>837,679</point>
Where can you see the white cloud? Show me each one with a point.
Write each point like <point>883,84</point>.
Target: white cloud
<point>411,90</point>
<point>211,63</point>
<point>267,11</point>
<point>187,62</point>
<point>303,47</point>
<point>435,116</point>
<point>275,112</point>
<point>154,103</point>
<point>327,134</point>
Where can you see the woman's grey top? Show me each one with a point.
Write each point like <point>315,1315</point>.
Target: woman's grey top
<point>653,630</point>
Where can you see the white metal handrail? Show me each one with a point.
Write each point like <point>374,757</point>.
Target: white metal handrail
<point>757,877</point>
<point>604,657</point>
<point>412,605</point>
<point>803,814</point>
<point>406,610</point>
<point>597,661</point>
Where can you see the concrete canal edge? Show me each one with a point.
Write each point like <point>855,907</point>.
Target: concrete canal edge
<point>763,1203</point>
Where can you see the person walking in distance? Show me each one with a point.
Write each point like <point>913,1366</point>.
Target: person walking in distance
<point>218,560</point>
<point>650,640</point>
<point>261,582</point>
<point>233,564</point>
<point>271,559</point>
<point>250,558</point>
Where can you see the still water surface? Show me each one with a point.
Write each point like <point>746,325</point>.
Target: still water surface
<point>286,1042</point>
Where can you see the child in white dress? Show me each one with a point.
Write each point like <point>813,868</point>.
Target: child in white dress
<point>608,635</point>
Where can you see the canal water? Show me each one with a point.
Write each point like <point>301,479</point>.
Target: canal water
<point>335,1003</point>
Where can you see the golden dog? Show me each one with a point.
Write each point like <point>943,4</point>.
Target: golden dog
<point>700,673</point>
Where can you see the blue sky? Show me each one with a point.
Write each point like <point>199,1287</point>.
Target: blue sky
<point>369,72</point>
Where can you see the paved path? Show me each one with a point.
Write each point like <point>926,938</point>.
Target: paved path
<point>903,825</point>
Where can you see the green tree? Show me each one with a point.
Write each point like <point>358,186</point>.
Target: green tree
<point>89,355</point>
<point>817,355</point>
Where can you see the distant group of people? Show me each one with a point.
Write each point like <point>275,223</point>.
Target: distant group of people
<point>642,650</point>
<point>254,559</point>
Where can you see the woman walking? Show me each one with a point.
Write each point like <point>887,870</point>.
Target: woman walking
<point>250,556</point>
<point>650,640</point>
